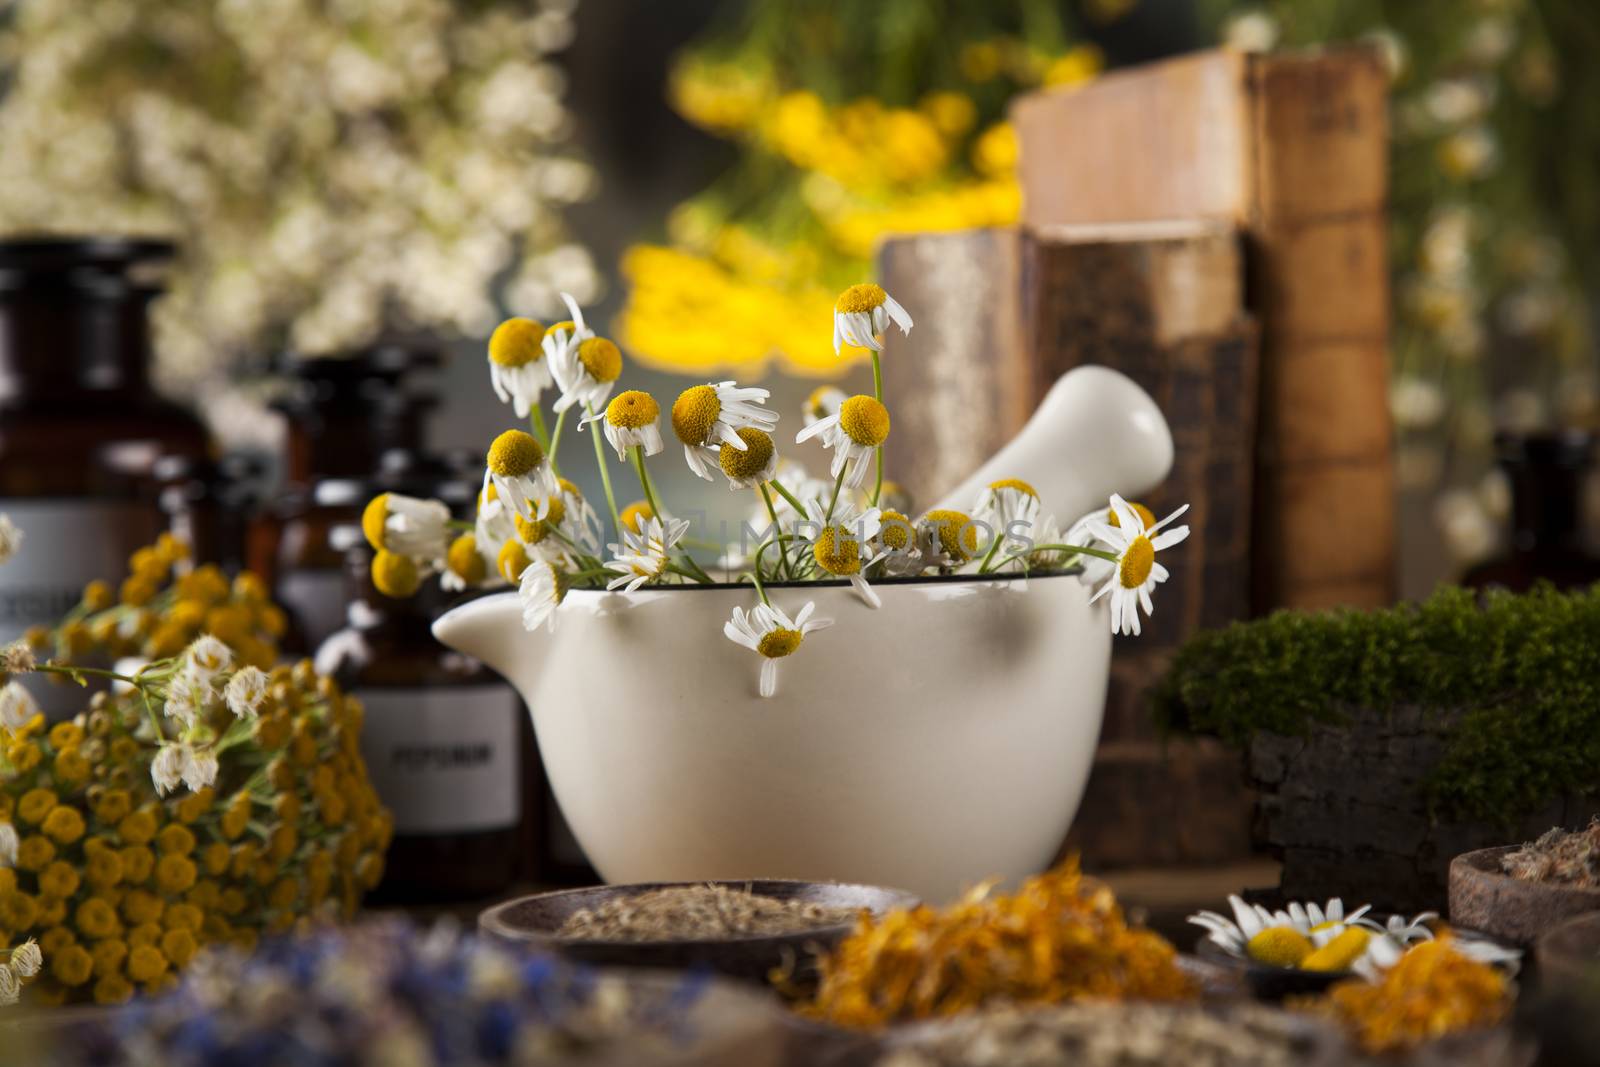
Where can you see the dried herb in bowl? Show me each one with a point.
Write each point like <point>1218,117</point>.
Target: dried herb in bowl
<point>700,913</point>
<point>1561,857</point>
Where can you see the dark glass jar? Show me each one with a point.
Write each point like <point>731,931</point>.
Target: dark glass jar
<point>1548,473</point>
<point>448,743</point>
<point>80,425</point>
<point>209,505</point>
<point>344,413</point>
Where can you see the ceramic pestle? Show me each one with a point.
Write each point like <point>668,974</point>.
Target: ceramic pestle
<point>1096,432</point>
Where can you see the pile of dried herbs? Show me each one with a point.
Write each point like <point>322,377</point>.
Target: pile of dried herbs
<point>1057,938</point>
<point>1561,857</point>
<point>699,913</point>
<point>1112,1035</point>
<point>1432,992</point>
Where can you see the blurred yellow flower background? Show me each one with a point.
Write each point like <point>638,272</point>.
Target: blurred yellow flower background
<point>750,264</point>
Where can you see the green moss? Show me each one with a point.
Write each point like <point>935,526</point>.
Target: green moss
<point>1524,671</point>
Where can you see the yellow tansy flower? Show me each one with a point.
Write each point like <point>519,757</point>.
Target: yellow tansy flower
<point>71,966</point>
<point>35,805</point>
<point>146,963</point>
<point>35,853</point>
<point>138,863</point>
<point>174,873</point>
<point>176,839</point>
<point>64,824</point>
<point>59,880</point>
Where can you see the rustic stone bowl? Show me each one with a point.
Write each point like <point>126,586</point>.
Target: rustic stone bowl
<point>535,919</point>
<point>1569,954</point>
<point>1484,899</point>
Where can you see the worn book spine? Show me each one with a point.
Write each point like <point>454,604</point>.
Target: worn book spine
<point>1292,149</point>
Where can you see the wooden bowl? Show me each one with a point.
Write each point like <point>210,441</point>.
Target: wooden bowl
<point>1569,954</point>
<point>536,920</point>
<point>1485,899</point>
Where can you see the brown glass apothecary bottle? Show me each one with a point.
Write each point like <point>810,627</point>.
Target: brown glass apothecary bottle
<point>344,412</point>
<point>1549,474</point>
<point>448,743</point>
<point>80,424</point>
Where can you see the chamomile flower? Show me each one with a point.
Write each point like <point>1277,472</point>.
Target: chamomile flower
<point>166,770</point>
<point>494,524</point>
<point>753,465</point>
<point>1283,938</point>
<point>246,690</point>
<point>541,590</point>
<point>10,986</point>
<point>517,469</point>
<point>199,768</point>
<point>1136,545</point>
<point>464,565</point>
<point>643,557</point>
<point>632,420</point>
<point>768,631</point>
<point>8,845</point>
<point>895,544</point>
<point>862,313</point>
<point>843,544</point>
<point>854,434</point>
<point>1009,508</point>
<point>186,698</point>
<point>948,538</point>
<point>10,538</point>
<point>584,365</point>
<point>1095,569</point>
<point>706,417</point>
<point>518,368</point>
<point>580,522</point>
<point>823,401</point>
<point>562,335</point>
<point>407,525</point>
<point>26,959</point>
<point>206,658</point>
<point>17,708</point>
<point>635,515</point>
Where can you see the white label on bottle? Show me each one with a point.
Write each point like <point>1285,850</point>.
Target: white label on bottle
<point>65,545</point>
<point>444,759</point>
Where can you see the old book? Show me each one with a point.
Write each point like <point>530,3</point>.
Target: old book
<point>1292,150</point>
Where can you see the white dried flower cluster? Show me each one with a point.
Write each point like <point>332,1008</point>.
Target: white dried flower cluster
<point>24,963</point>
<point>203,678</point>
<point>330,169</point>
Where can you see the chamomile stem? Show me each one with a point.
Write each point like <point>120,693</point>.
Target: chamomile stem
<point>72,672</point>
<point>994,546</point>
<point>877,392</point>
<point>555,439</point>
<point>605,473</point>
<point>1097,553</point>
<point>877,489</point>
<point>536,420</point>
<point>644,480</point>
<point>793,503</point>
<point>837,483</point>
<point>783,557</point>
<point>755,571</point>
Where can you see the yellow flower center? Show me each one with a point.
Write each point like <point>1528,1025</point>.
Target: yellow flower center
<point>532,531</point>
<point>633,410</point>
<point>512,561</point>
<point>465,561</point>
<point>864,420</point>
<point>1279,946</point>
<point>515,342</point>
<point>491,493</point>
<point>694,413</point>
<point>514,453</point>
<point>779,642</point>
<point>566,487</point>
<point>859,298</point>
<point>636,514</point>
<point>1015,483</point>
<point>395,575</point>
<point>374,518</point>
<point>556,510</point>
<point>556,329</point>
<point>837,552</point>
<point>958,534</point>
<point>1147,516</point>
<point>894,531</point>
<point>1340,954</point>
<point>601,358</point>
<point>1137,562</point>
<point>753,460</point>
